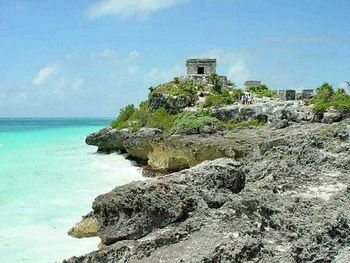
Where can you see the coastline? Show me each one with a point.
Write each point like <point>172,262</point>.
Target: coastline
<point>230,209</point>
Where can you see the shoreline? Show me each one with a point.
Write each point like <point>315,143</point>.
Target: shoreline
<point>176,212</point>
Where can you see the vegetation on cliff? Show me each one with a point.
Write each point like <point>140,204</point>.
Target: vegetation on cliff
<point>136,118</point>
<point>327,98</point>
<point>262,91</point>
<point>163,109</point>
<point>193,122</point>
<point>181,123</point>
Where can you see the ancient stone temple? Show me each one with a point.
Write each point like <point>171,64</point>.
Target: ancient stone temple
<point>201,70</point>
<point>201,66</point>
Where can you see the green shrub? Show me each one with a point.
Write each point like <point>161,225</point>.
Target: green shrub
<point>160,119</point>
<point>124,116</point>
<point>135,119</point>
<point>320,107</point>
<point>341,100</point>
<point>237,94</point>
<point>324,92</point>
<point>216,99</point>
<point>177,88</point>
<point>139,119</point>
<point>262,91</point>
<point>230,83</point>
<point>191,123</point>
<point>326,98</point>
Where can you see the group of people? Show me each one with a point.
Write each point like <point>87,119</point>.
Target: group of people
<point>246,98</point>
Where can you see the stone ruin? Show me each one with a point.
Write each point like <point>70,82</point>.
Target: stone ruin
<point>293,95</point>
<point>199,70</point>
<point>286,94</point>
<point>252,83</point>
<point>197,66</point>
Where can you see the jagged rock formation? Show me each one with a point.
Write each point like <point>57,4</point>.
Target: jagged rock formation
<point>278,114</point>
<point>286,201</point>
<point>165,154</point>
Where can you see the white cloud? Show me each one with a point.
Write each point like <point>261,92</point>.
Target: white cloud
<point>124,9</point>
<point>156,75</point>
<point>238,72</point>
<point>105,54</point>
<point>44,75</point>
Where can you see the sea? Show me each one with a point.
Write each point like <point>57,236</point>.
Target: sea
<point>49,178</point>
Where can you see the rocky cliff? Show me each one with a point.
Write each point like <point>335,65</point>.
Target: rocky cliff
<point>281,196</point>
<point>166,153</point>
<point>263,182</point>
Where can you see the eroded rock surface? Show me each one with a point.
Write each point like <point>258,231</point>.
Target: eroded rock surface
<point>293,205</point>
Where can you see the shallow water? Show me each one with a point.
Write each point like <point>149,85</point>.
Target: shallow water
<point>48,180</point>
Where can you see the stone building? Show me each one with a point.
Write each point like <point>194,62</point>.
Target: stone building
<point>307,94</point>
<point>252,83</point>
<point>199,70</point>
<point>201,66</point>
<point>287,94</point>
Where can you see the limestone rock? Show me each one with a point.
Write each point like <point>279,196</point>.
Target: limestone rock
<point>107,139</point>
<point>88,227</point>
<point>135,210</point>
<point>330,117</point>
<point>270,111</point>
<point>293,205</point>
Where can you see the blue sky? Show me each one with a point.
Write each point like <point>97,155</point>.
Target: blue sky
<point>89,58</point>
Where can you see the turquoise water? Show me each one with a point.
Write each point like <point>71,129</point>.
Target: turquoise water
<point>48,180</point>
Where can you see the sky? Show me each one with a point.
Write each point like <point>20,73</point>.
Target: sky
<point>88,58</point>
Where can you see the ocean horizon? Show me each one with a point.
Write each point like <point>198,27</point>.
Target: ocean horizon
<point>49,179</point>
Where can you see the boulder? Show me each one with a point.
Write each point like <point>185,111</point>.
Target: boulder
<point>108,139</point>
<point>330,117</point>
<point>136,209</point>
<point>88,227</point>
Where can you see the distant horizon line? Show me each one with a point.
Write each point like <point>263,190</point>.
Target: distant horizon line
<point>63,117</point>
